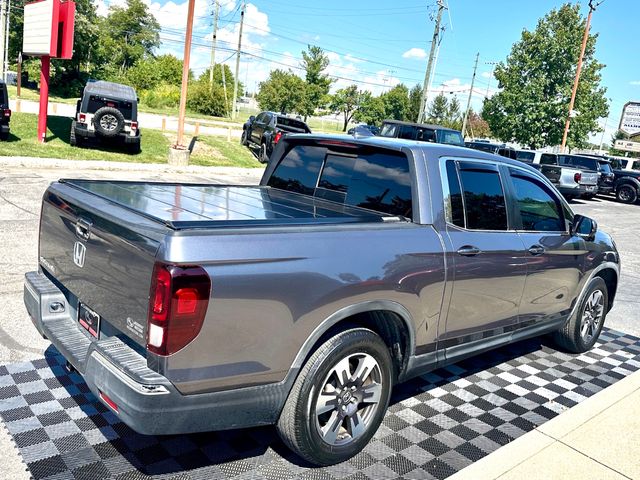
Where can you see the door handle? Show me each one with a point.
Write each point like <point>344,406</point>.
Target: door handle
<point>536,250</point>
<point>468,251</point>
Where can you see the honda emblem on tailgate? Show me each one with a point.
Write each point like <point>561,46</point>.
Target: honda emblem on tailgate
<point>79,252</point>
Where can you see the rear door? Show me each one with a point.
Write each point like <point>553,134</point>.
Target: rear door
<point>487,254</point>
<point>554,257</point>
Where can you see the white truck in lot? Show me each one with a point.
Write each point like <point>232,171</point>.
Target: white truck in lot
<point>571,181</point>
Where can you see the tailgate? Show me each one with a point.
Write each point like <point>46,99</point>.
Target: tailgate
<point>589,178</point>
<point>552,172</point>
<point>100,254</point>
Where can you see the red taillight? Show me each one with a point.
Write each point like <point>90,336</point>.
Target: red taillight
<point>276,139</point>
<point>577,177</point>
<point>7,112</point>
<point>82,118</point>
<point>178,302</point>
<point>108,401</point>
<point>134,125</point>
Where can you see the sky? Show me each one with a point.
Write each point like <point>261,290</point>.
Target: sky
<point>381,44</point>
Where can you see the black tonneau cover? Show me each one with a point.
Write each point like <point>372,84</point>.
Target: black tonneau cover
<point>183,206</point>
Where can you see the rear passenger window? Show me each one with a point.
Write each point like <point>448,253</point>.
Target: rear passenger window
<point>298,171</point>
<point>406,132</point>
<point>377,181</point>
<point>539,209</point>
<point>483,199</point>
<point>548,159</point>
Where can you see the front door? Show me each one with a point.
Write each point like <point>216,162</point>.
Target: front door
<point>486,256</point>
<point>554,256</point>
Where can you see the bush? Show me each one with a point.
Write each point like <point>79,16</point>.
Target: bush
<point>206,100</point>
<point>162,96</point>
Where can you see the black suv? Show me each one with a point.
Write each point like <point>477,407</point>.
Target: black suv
<point>5,112</point>
<point>421,132</point>
<point>501,150</point>
<point>107,111</point>
<point>265,131</point>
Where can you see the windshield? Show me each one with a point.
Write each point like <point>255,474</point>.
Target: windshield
<point>450,137</point>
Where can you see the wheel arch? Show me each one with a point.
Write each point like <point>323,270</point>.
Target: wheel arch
<point>610,277</point>
<point>389,319</point>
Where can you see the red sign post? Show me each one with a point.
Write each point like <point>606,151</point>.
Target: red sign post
<point>48,33</point>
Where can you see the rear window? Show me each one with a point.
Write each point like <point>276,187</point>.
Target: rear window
<point>4,97</point>
<point>375,180</point>
<point>525,156</point>
<point>451,137</point>
<point>548,159</point>
<point>581,162</point>
<point>294,123</point>
<point>96,102</point>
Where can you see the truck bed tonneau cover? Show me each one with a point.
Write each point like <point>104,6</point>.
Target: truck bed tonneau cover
<point>186,206</point>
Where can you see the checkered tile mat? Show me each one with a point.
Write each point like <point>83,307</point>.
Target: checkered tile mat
<point>436,424</point>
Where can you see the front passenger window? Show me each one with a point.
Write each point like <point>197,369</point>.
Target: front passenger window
<point>539,209</point>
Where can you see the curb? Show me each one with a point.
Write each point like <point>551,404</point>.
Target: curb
<point>55,163</point>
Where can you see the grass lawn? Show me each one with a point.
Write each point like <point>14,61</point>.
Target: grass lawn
<point>210,151</point>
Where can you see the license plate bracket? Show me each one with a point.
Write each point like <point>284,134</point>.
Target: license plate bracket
<point>89,320</point>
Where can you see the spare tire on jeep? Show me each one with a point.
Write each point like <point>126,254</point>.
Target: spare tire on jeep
<point>108,121</point>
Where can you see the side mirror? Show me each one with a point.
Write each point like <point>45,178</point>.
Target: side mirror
<point>252,118</point>
<point>584,227</point>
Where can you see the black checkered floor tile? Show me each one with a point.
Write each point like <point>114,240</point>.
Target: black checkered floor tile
<point>436,425</point>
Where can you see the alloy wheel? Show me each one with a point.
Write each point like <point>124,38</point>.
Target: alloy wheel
<point>592,316</point>
<point>109,122</point>
<point>349,399</point>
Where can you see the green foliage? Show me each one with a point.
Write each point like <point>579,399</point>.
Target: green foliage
<point>438,110</point>
<point>348,101</point>
<point>219,79</point>
<point>203,98</point>
<point>396,102</point>
<point>536,82</point>
<point>477,126</point>
<point>282,92</point>
<point>150,72</point>
<point>127,35</point>
<point>161,96</point>
<point>371,110</point>
<point>314,62</point>
<point>415,95</point>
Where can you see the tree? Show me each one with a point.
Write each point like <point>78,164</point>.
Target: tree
<point>415,96</point>
<point>347,101</point>
<point>620,135</point>
<point>396,102</point>
<point>150,72</point>
<point>127,35</point>
<point>478,127</point>
<point>371,110</point>
<point>314,62</point>
<point>536,82</point>
<point>454,115</point>
<point>438,110</point>
<point>281,92</point>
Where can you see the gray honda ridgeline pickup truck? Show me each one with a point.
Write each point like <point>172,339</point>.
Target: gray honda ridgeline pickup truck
<point>354,265</point>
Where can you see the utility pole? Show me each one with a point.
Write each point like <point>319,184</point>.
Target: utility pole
<point>213,43</point>
<point>235,85</point>
<point>3,21</point>
<point>185,75</point>
<point>435,41</point>
<point>466,112</point>
<point>585,37</point>
<point>6,40</point>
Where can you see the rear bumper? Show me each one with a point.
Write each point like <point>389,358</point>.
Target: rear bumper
<point>4,128</point>
<point>147,402</point>
<point>83,131</point>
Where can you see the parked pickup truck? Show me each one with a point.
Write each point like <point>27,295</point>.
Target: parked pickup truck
<point>356,263</point>
<point>571,181</point>
<point>626,182</point>
<point>265,131</point>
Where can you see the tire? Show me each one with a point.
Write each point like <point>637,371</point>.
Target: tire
<point>588,196</point>
<point>108,121</point>
<point>626,194</point>
<point>264,156</point>
<point>307,431</point>
<point>72,135</point>
<point>582,330</point>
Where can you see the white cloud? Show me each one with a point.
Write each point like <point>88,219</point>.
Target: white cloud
<point>414,52</point>
<point>486,75</point>
<point>634,82</point>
